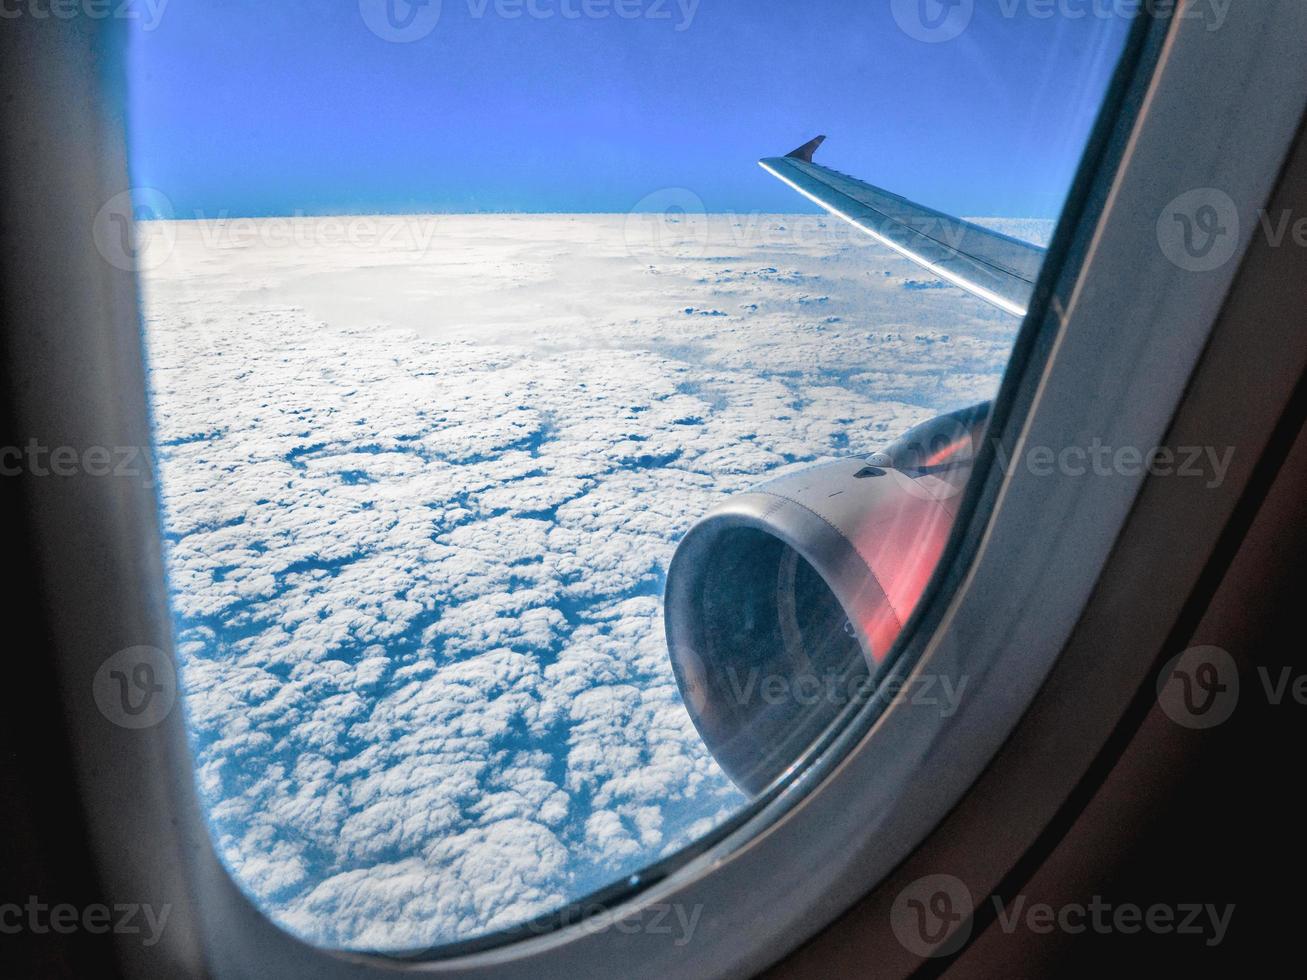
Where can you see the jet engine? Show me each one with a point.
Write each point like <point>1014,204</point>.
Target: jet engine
<point>782,602</point>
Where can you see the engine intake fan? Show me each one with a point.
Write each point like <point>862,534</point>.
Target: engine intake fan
<point>783,602</point>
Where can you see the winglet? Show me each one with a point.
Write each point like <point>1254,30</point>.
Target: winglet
<point>806,151</point>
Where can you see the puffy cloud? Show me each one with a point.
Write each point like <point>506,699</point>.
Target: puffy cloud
<point>417,549</point>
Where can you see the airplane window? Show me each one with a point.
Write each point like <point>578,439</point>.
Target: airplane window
<point>540,474</point>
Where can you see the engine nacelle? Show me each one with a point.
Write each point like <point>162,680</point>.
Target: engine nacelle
<point>783,601</point>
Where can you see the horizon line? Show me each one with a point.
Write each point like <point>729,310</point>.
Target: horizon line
<point>815,213</point>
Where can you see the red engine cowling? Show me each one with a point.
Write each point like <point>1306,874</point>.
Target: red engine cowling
<point>782,602</point>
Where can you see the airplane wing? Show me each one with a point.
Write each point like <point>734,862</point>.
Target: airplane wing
<point>997,268</point>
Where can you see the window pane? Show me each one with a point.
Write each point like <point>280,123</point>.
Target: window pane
<point>461,316</point>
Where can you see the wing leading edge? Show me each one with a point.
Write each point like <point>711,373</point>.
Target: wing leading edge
<point>998,269</point>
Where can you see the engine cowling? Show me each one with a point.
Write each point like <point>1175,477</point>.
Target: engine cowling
<point>783,602</point>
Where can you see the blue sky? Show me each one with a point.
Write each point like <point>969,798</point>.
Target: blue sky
<point>258,108</point>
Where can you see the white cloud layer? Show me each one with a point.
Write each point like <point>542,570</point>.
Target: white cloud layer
<point>420,499</point>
